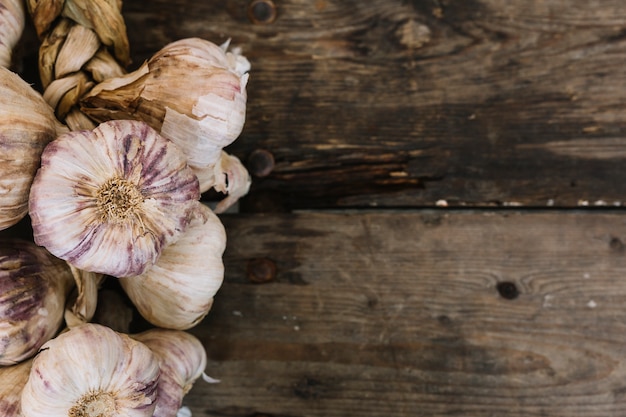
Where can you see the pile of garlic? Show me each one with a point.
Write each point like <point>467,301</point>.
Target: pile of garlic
<point>117,199</point>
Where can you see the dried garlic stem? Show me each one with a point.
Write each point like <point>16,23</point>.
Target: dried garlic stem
<point>83,42</point>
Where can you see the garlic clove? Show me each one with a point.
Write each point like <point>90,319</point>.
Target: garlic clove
<point>92,371</point>
<point>192,91</point>
<point>109,200</point>
<point>34,286</point>
<point>182,360</point>
<point>12,381</point>
<point>177,292</point>
<point>27,124</point>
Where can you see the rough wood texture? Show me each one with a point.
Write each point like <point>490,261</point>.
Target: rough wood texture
<point>420,314</point>
<point>405,103</point>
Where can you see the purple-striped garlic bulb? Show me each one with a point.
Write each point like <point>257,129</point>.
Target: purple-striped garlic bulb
<point>34,286</point>
<point>109,200</point>
<point>182,360</point>
<point>92,371</point>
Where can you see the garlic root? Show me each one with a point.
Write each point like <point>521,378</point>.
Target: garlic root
<point>34,286</point>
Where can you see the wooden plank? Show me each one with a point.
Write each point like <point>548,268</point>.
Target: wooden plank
<point>396,103</point>
<point>420,314</point>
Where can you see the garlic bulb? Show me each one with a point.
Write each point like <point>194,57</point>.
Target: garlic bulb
<point>27,124</point>
<point>92,371</point>
<point>12,23</point>
<point>33,289</point>
<point>13,378</point>
<point>192,91</point>
<point>177,292</point>
<point>109,200</point>
<point>182,360</point>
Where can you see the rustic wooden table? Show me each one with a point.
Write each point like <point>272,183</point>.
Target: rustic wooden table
<point>435,226</point>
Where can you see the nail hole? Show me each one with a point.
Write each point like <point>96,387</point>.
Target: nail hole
<point>616,244</point>
<point>260,163</point>
<point>507,290</point>
<point>261,270</point>
<point>262,11</point>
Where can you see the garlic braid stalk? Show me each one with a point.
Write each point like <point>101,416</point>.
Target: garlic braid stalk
<point>83,42</point>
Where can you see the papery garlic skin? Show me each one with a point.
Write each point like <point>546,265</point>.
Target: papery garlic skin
<point>177,292</point>
<point>92,371</point>
<point>109,200</point>
<point>182,359</point>
<point>12,14</point>
<point>34,286</point>
<point>27,125</point>
<point>192,91</point>
<point>12,381</point>
<point>229,176</point>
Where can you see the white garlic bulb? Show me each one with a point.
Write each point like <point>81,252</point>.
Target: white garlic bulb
<point>92,371</point>
<point>182,360</point>
<point>192,91</point>
<point>34,286</point>
<point>12,381</point>
<point>27,124</point>
<point>110,199</point>
<point>177,292</point>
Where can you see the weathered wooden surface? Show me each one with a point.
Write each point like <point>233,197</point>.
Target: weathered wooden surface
<point>416,314</point>
<point>405,103</point>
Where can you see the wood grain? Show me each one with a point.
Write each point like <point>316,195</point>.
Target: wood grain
<point>406,103</point>
<point>400,313</point>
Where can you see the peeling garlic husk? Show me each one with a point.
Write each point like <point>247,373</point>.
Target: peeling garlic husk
<point>192,91</point>
<point>111,199</point>
<point>12,14</point>
<point>27,125</point>
<point>13,378</point>
<point>182,359</point>
<point>34,287</point>
<point>177,292</point>
<point>227,176</point>
<point>92,371</point>
<point>82,304</point>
